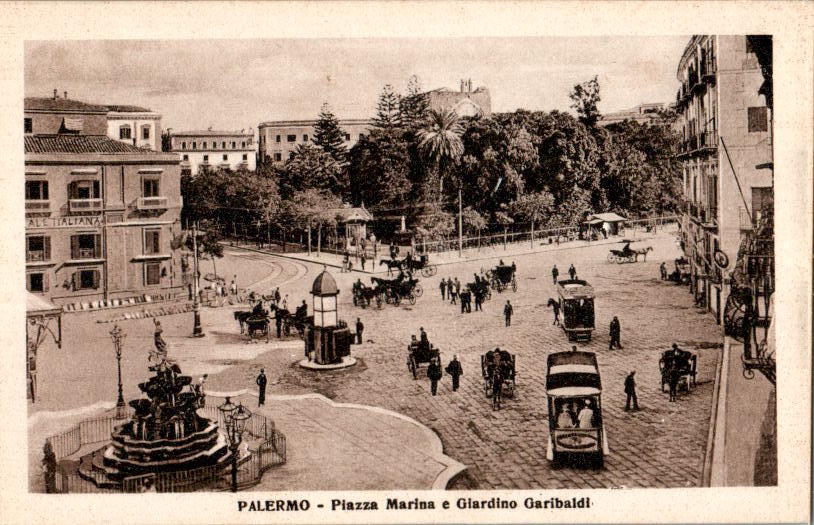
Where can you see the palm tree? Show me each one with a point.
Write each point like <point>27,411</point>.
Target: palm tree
<point>441,141</point>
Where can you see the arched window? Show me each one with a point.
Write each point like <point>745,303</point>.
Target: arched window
<point>183,145</point>
<point>243,145</point>
<point>223,144</point>
<point>194,145</point>
<point>125,132</point>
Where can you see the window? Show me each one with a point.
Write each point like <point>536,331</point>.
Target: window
<point>206,158</point>
<point>36,190</point>
<point>186,157</point>
<point>243,144</point>
<point>27,126</point>
<point>152,273</point>
<point>194,145</point>
<point>83,189</point>
<point>183,145</point>
<point>145,132</point>
<point>225,158</point>
<point>305,138</point>
<point>214,145</point>
<point>278,157</point>
<point>125,132</point>
<point>37,282</point>
<point>37,248</point>
<point>223,145</point>
<point>291,138</point>
<point>245,156</point>
<point>152,242</point>
<point>758,119</point>
<point>204,145</point>
<point>234,144</point>
<point>149,187</point>
<point>347,136</point>
<point>86,246</point>
<point>86,280</point>
<point>278,138</point>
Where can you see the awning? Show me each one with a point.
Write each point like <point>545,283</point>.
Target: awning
<point>36,306</point>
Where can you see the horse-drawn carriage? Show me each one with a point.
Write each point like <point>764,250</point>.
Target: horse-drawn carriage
<point>503,276</point>
<point>254,323</point>
<point>574,388</point>
<point>411,264</point>
<point>682,273</point>
<point>498,372</point>
<point>418,354</point>
<point>576,299</point>
<point>480,287</point>
<point>628,254</point>
<point>683,364</point>
<point>363,295</point>
<point>392,291</point>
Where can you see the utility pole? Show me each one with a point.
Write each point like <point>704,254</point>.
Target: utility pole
<point>196,306</point>
<point>460,225</point>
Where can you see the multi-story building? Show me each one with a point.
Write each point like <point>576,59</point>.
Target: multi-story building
<point>279,138</point>
<point>643,114</point>
<point>725,153</point>
<point>134,125</point>
<point>100,214</point>
<point>466,102</point>
<point>214,149</point>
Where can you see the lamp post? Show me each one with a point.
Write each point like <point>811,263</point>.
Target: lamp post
<point>196,305</point>
<point>234,419</point>
<point>118,341</point>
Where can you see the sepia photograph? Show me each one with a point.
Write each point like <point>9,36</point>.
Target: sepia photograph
<point>468,272</point>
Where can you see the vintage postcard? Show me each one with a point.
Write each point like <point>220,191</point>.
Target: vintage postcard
<point>407,262</point>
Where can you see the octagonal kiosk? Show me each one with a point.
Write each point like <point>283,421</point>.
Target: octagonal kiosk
<point>327,338</point>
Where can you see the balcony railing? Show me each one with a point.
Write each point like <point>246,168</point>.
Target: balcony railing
<point>38,206</point>
<point>152,203</point>
<point>708,140</point>
<point>708,69</point>
<point>84,205</point>
<point>87,253</point>
<point>35,256</point>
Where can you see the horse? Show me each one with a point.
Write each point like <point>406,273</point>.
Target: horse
<point>643,253</point>
<point>391,263</point>
<point>240,317</point>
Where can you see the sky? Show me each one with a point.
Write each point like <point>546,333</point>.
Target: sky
<point>236,84</point>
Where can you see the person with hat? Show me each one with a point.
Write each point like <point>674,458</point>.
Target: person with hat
<point>508,310</point>
<point>555,272</point>
<point>615,333</point>
<point>435,374</point>
<point>586,415</point>
<point>359,329</point>
<point>630,390</point>
<point>455,370</point>
<point>261,387</point>
<point>572,272</point>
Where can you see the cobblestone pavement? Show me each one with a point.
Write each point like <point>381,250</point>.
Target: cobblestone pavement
<point>660,446</point>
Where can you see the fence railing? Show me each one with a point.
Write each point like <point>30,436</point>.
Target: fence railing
<point>269,452</point>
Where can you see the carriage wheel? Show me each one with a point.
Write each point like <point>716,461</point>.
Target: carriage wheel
<point>611,257</point>
<point>418,290</point>
<point>629,259</point>
<point>411,298</point>
<point>396,299</point>
<point>426,272</point>
<point>514,285</point>
<point>433,269</point>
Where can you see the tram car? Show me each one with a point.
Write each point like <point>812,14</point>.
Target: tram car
<point>576,299</point>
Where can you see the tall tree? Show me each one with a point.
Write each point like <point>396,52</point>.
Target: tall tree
<point>388,116</point>
<point>414,106</point>
<point>329,136</point>
<point>441,142</point>
<point>311,167</point>
<point>585,99</point>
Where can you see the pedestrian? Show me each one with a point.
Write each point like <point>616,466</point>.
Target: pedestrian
<point>663,271</point>
<point>278,319</point>
<point>202,389</point>
<point>434,373</point>
<point>478,300</point>
<point>345,259</point>
<point>452,293</point>
<point>233,286</point>
<point>554,274</point>
<point>555,305</point>
<point>572,272</point>
<point>359,329</point>
<point>455,370</point>
<point>508,311</point>
<point>443,287</point>
<point>49,468</point>
<point>277,295</point>
<point>362,261</point>
<point>463,297</point>
<point>284,305</point>
<point>615,334</point>
<point>630,390</point>
<point>457,287</point>
<point>261,388</point>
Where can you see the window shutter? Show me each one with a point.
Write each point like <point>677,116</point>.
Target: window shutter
<point>95,279</point>
<point>28,282</point>
<point>45,282</point>
<point>74,247</point>
<point>72,190</point>
<point>46,248</point>
<point>44,190</point>
<point>97,246</point>
<point>96,192</point>
<point>74,280</point>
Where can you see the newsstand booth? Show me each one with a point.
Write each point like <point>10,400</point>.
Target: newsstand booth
<point>326,336</point>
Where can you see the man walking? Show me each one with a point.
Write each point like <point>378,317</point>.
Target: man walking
<point>615,333</point>
<point>554,274</point>
<point>556,307</point>
<point>507,312</point>
<point>434,373</point>
<point>261,388</point>
<point>233,286</point>
<point>362,261</point>
<point>359,329</point>
<point>443,287</point>
<point>572,272</point>
<point>455,370</point>
<point>630,390</point>
<point>452,293</point>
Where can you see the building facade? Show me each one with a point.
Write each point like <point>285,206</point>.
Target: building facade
<point>465,102</point>
<point>643,114</point>
<point>100,214</point>
<point>279,138</point>
<point>214,149</point>
<point>726,157</point>
<point>134,125</point>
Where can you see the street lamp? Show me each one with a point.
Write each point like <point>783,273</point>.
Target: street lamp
<point>196,305</point>
<point>234,421</point>
<point>118,341</point>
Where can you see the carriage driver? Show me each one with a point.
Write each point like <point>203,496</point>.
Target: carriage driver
<point>258,310</point>
<point>424,341</point>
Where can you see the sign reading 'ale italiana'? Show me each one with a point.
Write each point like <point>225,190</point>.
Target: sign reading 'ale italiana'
<point>65,222</point>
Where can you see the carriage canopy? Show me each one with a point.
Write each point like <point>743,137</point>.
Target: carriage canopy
<point>572,374</point>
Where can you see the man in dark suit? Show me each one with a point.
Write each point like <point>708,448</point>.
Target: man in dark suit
<point>615,334</point>
<point>261,388</point>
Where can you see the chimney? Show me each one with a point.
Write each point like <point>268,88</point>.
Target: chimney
<point>66,95</point>
<point>55,93</point>
<point>462,85</point>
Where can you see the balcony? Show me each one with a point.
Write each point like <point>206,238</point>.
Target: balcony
<point>708,140</point>
<point>84,205</point>
<point>36,256</point>
<point>152,203</point>
<point>708,70</point>
<point>38,206</point>
<point>710,218</point>
<point>745,220</point>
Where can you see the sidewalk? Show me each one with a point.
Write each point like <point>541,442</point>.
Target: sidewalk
<point>452,257</point>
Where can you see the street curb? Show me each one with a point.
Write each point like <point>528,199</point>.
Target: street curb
<point>714,471</point>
